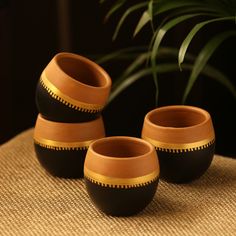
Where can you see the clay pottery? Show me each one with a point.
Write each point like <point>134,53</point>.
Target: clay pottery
<point>61,147</point>
<point>72,88</point>
<point>121,174</point>
<point>184,140</point>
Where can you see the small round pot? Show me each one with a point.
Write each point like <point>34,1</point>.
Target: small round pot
<point>121,174</point>
<point>184,139</point>
<point>72,89</point>
<point>61,147</point>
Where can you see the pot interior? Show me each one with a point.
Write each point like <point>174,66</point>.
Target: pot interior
<point>121,148</point>
<point>177,117</point>
<point>82,71</point>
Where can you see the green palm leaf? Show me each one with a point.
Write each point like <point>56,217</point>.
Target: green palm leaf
<point>177,12</point>
<point>135,64</point>
<point>203,58</point>
<point>193,32</point>
<point>126,53</point>
<point>159,36</point>
<point>164,68</point>
<point>114,8</point>
<point>145,18</point>
<point>165,28</point>
<point>140,59</point>
<point>131,68</point>
<point>162,7</point>
<point>138,75</point>
<point>125,15</point>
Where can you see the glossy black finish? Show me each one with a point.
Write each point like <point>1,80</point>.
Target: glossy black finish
<point>61,163</point>
<point>186,166</point>
<point>121,201</point>
<point>54,110</point>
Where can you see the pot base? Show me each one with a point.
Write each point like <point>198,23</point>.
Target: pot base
<point>121,201</point>
<point>61,163</point>
<point>183,167</point>
<point>60,112</point>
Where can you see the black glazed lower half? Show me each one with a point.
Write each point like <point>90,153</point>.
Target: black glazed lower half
<point>121,201</point>
<point>54,110</point>
<point>61,163</point>
<point>186,166</point>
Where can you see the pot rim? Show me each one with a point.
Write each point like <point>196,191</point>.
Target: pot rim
<point>170,108</point>
<point>123,138</point>
<point>105,78</point>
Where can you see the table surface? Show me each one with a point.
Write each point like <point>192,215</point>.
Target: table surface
<point>34,203</point>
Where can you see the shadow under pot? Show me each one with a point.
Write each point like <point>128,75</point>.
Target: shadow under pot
<point>72,88</point>
<point>121,174</point>
<point>184,140</point>
<point>61,147</point>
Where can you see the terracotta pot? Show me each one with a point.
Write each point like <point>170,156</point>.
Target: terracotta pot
<point>184,139</point>
<point>61,147</point>
<point>72,88</point>
<point>121,174</point>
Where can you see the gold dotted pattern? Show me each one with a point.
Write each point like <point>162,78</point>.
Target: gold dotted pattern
<point>112,182</point>
<point>59,146</point>
<point>180,148</point>
<point>72,103</point>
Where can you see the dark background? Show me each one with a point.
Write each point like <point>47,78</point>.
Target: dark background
<point>32,32</point>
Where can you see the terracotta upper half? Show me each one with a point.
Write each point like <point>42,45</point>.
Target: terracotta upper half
<point>69,132</point>
<point>178,124</point>
<point>121,157</point>
<point>79,78</point>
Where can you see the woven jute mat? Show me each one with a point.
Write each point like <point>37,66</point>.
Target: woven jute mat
<point>34,203</point>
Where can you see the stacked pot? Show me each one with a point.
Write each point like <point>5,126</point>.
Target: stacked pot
<point>70,95</point>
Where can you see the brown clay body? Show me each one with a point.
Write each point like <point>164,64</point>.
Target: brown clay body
<point>72,88</point>
<point>184,139</point>
<point>121,174</point>
<point>61,147</point>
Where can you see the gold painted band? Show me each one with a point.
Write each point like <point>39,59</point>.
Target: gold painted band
<point>65,98</point>
<point>51,144</point>
<point>120,182</point>
<point>181,146</point>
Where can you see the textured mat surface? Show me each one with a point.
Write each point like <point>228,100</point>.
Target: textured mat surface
<point>34,203</point>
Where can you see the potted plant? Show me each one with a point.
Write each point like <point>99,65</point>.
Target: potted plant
<point>159,18</point>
